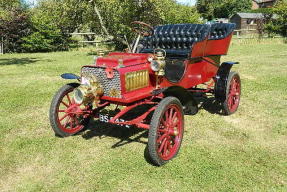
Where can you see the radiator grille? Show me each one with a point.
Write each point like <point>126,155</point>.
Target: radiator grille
<point>136,80</point>
<point>112,87</point>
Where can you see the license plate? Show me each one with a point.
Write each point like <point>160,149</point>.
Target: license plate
<point>106,118</point>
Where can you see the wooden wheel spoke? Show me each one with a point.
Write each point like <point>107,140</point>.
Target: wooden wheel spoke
<point>230,102</point>
<point>67,121</point>
<point>65,104</point>
<point>165,147</point>
<point>163,122</point>
<point>169,145</point>
<point>71,123</point>
<point>175,122</point>
<point>77,121</point>
<point>69,99</point>
<point>174,119</point>
<point>161,138</point>
<point>162,145</point>
<point>62,118</point>
<point>170,116</point>
<point>166,116</point>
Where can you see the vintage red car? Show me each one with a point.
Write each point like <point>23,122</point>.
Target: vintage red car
<point>161,71</point>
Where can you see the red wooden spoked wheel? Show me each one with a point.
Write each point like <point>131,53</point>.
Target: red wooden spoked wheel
<point>67,117</point>
<point>166,131</point>
<point>233,93</point>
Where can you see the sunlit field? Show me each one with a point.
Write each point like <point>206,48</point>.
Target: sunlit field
<point>243,152</point>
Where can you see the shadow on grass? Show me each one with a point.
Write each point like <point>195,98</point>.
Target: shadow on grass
<point>126,135</point>
<point>134,134</point>
<point>19,61</point>
<point>209,104</point>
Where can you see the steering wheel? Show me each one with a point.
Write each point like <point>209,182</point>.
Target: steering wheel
<point>143,28</point>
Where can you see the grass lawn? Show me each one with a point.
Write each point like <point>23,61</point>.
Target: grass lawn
<point>243,152</point>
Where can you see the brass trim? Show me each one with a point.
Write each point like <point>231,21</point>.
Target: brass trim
<point>136,80</point>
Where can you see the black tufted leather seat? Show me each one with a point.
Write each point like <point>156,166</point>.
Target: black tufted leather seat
<point>178,39</point>
<point>221,30</point>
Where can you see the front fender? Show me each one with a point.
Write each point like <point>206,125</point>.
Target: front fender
<point>70,76</point>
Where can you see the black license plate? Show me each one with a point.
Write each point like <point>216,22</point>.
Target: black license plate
<point>106,118</point>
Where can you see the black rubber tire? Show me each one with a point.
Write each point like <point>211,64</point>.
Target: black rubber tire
<point>54,106</point>
<point>155,122</point>
<point>225,108</point>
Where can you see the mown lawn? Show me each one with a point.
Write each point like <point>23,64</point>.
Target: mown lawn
<point>243,152</point>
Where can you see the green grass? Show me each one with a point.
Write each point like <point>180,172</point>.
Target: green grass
<point>243,152</point>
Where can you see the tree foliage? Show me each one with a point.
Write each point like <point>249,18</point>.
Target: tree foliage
<point>211,9</point>
<point>46,26</point>
<point>14,24</point>
<point>279,24</point>
<point>117,15</point>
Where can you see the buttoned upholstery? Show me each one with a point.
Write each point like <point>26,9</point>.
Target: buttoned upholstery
<point>178,39</point>
<point>221,30</point>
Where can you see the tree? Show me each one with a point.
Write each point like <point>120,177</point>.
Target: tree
<point>279,24</point>
<point>115,16</point>
<point>14,24</point>
<point>211,9</point>
<point>52,21</point>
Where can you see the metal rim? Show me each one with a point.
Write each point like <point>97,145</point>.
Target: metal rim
<point>69,115</point>
<point>234,94</point>
<point>169,133</point>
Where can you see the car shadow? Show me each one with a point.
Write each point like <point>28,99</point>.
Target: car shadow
<point>209,103</point>
<point>124,134</point>
<point>134,134</point>
<point>18,61</point>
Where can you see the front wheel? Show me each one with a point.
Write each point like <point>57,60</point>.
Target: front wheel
<point>66,117</point>
<point>166,131</point>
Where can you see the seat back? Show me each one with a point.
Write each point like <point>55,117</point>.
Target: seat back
<point>221,30</point>
<point>177,40</point>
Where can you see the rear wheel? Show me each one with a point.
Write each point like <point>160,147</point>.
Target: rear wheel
<point>233,92</point>
<point>66,117</point>
<point>166,131</point>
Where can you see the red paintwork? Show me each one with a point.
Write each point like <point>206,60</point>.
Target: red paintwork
<point>198,49</point>
<point>139,121</point>
<point>234,94</point>
<point>218,47</point>
<point>211,47</point>
<point>170,132</point>
<point>127,59</point>
<point>197,71</point>
<point>68,118</point>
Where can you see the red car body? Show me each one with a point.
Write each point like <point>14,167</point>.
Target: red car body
<point>164,73</point>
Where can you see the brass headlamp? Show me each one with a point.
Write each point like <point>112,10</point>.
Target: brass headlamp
<point>89,91</point>
<point>158,64</point>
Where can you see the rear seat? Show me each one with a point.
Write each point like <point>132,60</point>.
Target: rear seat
<point>178,39</point>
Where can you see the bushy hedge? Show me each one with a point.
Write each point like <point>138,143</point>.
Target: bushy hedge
<point>13,28</point>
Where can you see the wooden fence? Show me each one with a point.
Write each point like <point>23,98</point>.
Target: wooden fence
<point>94,42</point>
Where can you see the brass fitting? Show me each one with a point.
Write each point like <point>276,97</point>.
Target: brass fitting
<point>160,58</point>
<point>89,92</point>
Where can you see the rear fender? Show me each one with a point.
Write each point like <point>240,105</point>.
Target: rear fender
<point>221,80</point>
